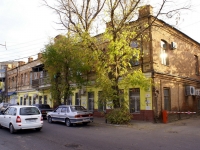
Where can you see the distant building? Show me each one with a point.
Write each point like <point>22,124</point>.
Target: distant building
<point>3,66</point>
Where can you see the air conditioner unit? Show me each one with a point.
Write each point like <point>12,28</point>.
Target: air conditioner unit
<point>190,90</point>
<point>173,45</point>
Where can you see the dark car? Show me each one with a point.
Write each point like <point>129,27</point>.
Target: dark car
<point>44,108</point>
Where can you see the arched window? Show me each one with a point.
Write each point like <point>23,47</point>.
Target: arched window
<point>163,53</point>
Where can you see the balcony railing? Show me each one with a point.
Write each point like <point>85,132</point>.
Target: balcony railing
<point>41,83</point>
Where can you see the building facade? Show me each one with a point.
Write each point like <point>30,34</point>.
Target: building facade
<point>3,73</point>
<point>24,80</point>
<point>169,57</point>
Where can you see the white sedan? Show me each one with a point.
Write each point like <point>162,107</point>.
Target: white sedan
<point>21,117</point>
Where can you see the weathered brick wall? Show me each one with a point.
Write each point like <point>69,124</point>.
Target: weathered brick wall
<point>178,74</point>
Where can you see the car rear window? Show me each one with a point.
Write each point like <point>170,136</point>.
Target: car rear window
<point>77,108</point>
<point>29,111</point>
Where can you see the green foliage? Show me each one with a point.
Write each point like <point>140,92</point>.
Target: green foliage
<point>119,116</point>
<point>65,64</point>
<point>136,78</point>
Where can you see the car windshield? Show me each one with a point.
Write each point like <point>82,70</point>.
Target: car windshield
<point>29,111</point>
<point>77,108</point>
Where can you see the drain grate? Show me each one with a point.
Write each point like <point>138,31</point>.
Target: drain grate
<point>172,131</point>
<point>72,145</point>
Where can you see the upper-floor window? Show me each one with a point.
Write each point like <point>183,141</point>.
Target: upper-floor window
<point>9,84</point>
<point>13,82</point>
<point>35,75</point>
<point>41,74</point>
<point>163,53</point>
<point>167,100</point>
<point>30,78</point>
<point>25,79</point>
<point>196,65</point>
<point>135,60</point>
<point>22,79</point>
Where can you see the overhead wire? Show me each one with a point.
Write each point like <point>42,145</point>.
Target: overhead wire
<point>27,50</point>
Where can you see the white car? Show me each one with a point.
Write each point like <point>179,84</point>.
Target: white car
<point>21,117</point>
<point>70,114</point>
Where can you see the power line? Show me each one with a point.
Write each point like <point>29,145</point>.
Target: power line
<point>26,42</point>
<point>20,58</point>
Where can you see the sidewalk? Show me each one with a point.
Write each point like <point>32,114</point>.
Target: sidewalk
<point>150,125</point>
<point>133,123</point>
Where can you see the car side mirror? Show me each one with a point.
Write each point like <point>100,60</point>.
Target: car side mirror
<point>2,112</point>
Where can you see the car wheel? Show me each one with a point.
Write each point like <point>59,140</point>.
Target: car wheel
<point>85,123</point>
<point>38,129</point>
<point>12,130</point>
<point>49,119</point>
<point>68,123</point>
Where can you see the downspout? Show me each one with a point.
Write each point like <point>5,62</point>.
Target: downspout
<point>178,104</point>
<point>154,105</point>
<point>161,97</point>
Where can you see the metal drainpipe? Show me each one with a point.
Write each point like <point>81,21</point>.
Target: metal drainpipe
<point>179,103</point>
<point>161,96</point>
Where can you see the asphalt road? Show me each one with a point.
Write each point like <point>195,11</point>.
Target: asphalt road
<point>180,135</point>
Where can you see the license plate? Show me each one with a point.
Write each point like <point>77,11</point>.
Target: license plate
<point>31,120</point>
<point>87,119</point>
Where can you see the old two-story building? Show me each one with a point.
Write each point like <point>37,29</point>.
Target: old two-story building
<point>169,57</point>
<point>27,81</point>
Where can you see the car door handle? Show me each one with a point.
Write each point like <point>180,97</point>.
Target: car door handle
<point>9,117</point>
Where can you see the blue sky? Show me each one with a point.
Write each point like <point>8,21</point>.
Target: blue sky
<point>26,26</point>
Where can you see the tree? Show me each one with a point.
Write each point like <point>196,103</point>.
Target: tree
<point>62,60</point>
<point>111,54</point>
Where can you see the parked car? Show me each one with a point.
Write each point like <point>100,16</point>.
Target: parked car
<point>44,108</point>
<point>21,117</point>
<point>70,114</point>
<point>5,105</point>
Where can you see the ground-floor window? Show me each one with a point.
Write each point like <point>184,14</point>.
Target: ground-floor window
<point>34,99</point>
<point>134,100</point>
<point>167,100</point>
<point>101,102</point>
<point>30,100</point>
<point>77,99</point>
<point>40,99</point>
<point>91,101</point>
<point>69,100</point>
<point>24,101</point>
<point>21,99</point>
<point>45,99</point>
